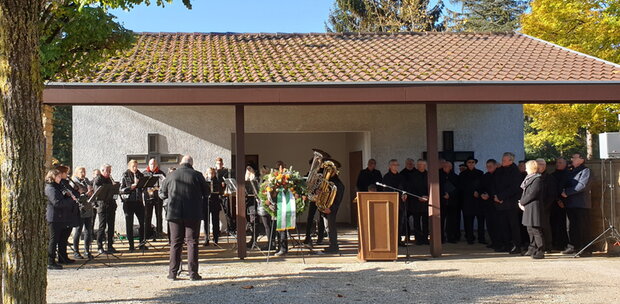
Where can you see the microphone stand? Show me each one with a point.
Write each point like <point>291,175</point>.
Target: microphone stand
<point>403,192</point>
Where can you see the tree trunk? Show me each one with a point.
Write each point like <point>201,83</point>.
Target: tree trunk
<point>589,145</point>
<point>23,230</point>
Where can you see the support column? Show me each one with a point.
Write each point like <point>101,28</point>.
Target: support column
<point>48,134</point>
<point>434,200</point>
<point>240,174</point>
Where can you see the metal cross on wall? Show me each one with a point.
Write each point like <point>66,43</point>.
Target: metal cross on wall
<point>164,160</point>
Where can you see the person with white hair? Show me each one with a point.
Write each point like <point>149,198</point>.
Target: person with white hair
<point>184,193</point>
<point>531,203</point>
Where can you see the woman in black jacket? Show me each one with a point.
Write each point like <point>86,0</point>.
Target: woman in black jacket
<point>60,206</point>
<point>132,202</point>
<point>531,203</point>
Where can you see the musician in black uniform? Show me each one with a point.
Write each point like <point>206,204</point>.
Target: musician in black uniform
<point>106,211</point>
<point>212,207</point>
<point>469,182</point>
<point>329,215</point>
<point>59,206</point>
<point>132,202</point>
<point>508,180</point>
<point>152,202</point>
<point>73,219</point>
<point>312,209</point>
<point>85,190</point>
<point>393,178</point>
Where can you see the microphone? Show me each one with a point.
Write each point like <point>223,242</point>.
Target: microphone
<point>379,184</point>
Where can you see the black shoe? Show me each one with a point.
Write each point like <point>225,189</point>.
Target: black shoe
<point>569,250</point>
<point>172,277</point>
<point>528,252</point>
<point>538,256</point>
<point>65,260</point>
<point>131,249</point>
<point>308,241</point>
<point>143,247</point>
<point>89,256</point>
<point>206,243</point>
<point>77,255</point>
<point>471,242</point>
<point>332,250</point>
<point>281,253</point>
<point>54,266</point>
<point>112,250</point>
<point>515,250</point>
<point>482,241</point>
<point>319,242</point>
<point>195,277</point>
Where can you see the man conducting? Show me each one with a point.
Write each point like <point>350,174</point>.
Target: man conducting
<point>183,193</point>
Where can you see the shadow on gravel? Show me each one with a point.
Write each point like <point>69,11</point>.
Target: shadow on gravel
<point>332,285</point>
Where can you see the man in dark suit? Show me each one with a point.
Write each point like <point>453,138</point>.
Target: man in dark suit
<point>448,181</point>
<point>469,182</point>
<point>487,192</point>
<point>559,234</point>
<point>417,208</point>
<point>184,192</point>
<point>329,215</point>
<point>576,196</point>
<point>508,180</point>
<point>368,176</point>
<point>393,178</point>
<point>106,210</point>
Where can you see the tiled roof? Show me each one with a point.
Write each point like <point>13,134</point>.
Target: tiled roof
<point>278,58</point>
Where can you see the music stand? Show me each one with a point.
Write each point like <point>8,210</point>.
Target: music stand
<point>104,193</point>
<point>143,183</point>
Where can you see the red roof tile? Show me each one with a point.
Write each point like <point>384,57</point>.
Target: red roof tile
<point>252,58</point>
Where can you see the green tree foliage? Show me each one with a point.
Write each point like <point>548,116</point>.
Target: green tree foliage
<point>486,15</point>
<point>75,36</point>
<point>588,26</point>
<point>561,129</point>
<point>385,16</point>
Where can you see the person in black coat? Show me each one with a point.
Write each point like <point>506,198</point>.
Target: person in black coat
<point>487,192</point>
<point>212,208</point>
<point>469,182</point>
<point>559,234</point>
<point>417,208</point>
<point>152,202</point>
<point>448,181</point>
<point>106,211</point>
<point>393,178</point>
<point>330,214</point>
<point>368,176</point>
<point>532,203</point>
<point>60,205</point>
<point>184,192</point>
<point>132,203</point>
<point>508,180</point>
<point>73,217</point>
<point>577,200</point>
<point>549,199</point>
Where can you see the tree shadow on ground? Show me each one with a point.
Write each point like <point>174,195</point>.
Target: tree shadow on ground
<point>335,285</point>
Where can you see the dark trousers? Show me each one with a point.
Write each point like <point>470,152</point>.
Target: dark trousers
<point>149,207</point>
<point>444,219</point>
<point>509,228</point>
<point>468,224</point>
<point>106,219</point>
<point>310,223</point>
<point>537,241</point>
<point>266,220</point>
<point>453,223</point>
<point>211,213</point>
<point>190,230</point>
<point>87,227</point>
<point>419,222</point>
<point>490,216</point>
<point>579,227</point>
<point>64,241</point>
<point>130,209</point>
<point>330,225</point>
<point>283,241</point>
<point>403,220</point>
<point>56,231</point>
<point>559,234</point>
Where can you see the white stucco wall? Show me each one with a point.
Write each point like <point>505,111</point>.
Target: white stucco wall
<point>108,134</point>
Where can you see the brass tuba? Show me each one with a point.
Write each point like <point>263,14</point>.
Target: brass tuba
<point>320,190</point>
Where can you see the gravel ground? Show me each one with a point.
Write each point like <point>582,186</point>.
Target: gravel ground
<point>466,274</point>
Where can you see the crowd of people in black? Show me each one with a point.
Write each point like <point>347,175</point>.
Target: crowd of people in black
<point>521,208</point>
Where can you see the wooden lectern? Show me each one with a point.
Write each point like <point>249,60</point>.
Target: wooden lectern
<point>377,216</point>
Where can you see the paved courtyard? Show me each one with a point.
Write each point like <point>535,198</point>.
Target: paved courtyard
<point>466,274</point>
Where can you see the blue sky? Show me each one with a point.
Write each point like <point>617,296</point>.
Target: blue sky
<point>256,16</point>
